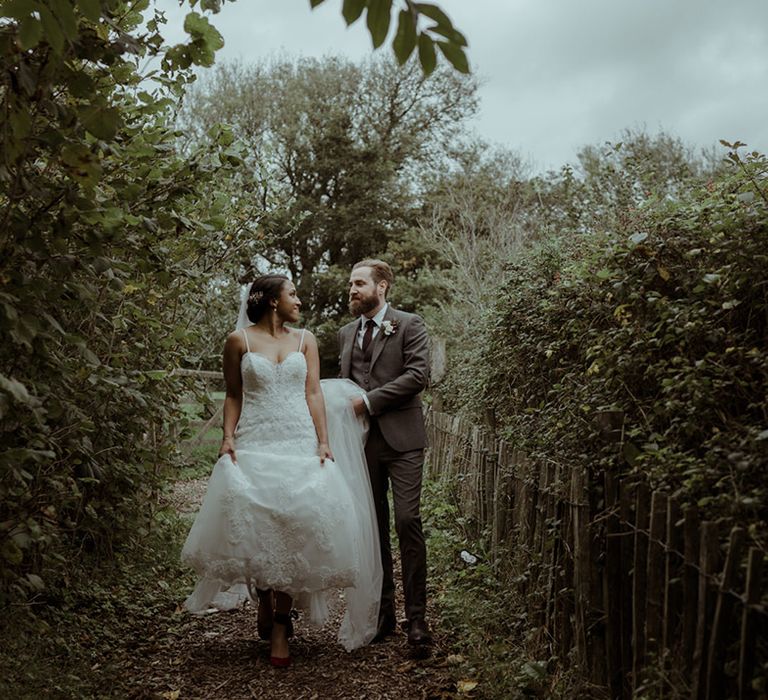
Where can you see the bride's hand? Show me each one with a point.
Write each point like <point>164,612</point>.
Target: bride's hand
<point>324,450</point>
<point>228,448</point>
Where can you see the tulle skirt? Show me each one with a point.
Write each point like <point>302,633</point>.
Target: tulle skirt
<point>283,521</point>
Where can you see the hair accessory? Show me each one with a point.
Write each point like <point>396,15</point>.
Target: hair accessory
<point>255,297</point>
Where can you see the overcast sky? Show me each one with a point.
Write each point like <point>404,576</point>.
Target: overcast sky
<point>560,74</point>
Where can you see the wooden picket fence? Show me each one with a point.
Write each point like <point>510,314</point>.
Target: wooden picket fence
<point>200,428</point>
<point>646,598</point>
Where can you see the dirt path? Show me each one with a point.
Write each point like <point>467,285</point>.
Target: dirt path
<point>220,656</point>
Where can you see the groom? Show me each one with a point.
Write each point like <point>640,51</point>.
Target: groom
<point>386,352</point>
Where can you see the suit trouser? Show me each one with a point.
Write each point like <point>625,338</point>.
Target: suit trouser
<point>403,470</point>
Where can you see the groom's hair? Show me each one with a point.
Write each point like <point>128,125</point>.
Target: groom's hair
<point>379,271</point>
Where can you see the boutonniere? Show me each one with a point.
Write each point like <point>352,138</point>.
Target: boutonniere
<point>389,327</point>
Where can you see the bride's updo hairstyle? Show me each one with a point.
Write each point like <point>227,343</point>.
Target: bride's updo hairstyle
<point>264,290</point>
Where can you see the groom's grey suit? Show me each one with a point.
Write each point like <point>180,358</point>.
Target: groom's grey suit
<point>393,372</point>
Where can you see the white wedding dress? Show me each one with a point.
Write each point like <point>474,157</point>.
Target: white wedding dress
<point>277,518</point>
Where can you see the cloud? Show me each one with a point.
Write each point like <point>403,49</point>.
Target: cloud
<point>559,74</point>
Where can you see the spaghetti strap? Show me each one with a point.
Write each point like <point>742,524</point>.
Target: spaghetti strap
<point>245,335</point>
<point>301,340</point>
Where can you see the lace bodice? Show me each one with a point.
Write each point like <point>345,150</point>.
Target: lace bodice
<point>275,411</point>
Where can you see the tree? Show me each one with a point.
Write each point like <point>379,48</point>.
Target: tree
<point>616,180</point>
<point>334,155</point>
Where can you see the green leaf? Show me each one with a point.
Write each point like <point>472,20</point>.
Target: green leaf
<point>11,552</point>
<point>17,9</point>
<point>53,323</point>
<point>15,388</point>
<point>102,122</point>
<point>206,39</point>
<point>21,455</point>
<point>453,35</point>
<point>378,18</point>
<point>434,12</point>
<point>36,582</point>
<point>631,452</point>
<point>226,137</point>
<point>427,55</point>
<point>456,56</point>
<point>65,14</point>
<point>30,32</point>
<point>20,124</point>
<point>91,9</point>
<point>81,84</point>
<point>51,29</point>
<point>195,24</point>
<point>315,3</point>
<point>352,9</point>
<point>405,40</point>
<point>80,163</point>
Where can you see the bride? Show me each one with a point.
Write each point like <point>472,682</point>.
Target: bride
<point>288,513</point>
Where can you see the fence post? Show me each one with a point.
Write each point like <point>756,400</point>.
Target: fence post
<point>673,573</point>
<point>566,592</point>
<point>723,610</point>
<point>690,584</point>
<point>655,577</point>
<point>612,586</point>
<point>554,555</point>
<point>709,554</point>
<point>748,623</point>
<point>581,563</point>
<point>639,582</point>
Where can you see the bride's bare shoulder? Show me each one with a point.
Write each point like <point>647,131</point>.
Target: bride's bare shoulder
<point>306,331</point>
<point>234,340</point>
<point>303,334</point>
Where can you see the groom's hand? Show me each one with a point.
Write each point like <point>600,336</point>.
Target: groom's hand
<point>359,405</point>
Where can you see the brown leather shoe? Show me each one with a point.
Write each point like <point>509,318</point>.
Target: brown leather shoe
<point>418,633</point>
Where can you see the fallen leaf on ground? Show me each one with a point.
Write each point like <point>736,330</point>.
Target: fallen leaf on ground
<point>466,686</point>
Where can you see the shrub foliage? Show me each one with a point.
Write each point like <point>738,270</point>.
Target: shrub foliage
<point>109,237</point>
<point>664,317</point>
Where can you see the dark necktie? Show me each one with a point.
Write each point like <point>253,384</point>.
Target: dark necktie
<point>368,335</point>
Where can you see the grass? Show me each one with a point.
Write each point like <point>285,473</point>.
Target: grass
<point>199,459</point>
<point>495,642</point>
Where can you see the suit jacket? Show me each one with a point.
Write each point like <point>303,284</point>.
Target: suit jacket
<point>398,373</point>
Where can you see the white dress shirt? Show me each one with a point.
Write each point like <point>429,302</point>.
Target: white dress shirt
<point>377,320</point>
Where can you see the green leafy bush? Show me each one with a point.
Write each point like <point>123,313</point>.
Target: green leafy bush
<point>110,241</point>
<point>664,318</point>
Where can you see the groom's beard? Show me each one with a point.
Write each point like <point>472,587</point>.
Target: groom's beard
<point>362,305</point>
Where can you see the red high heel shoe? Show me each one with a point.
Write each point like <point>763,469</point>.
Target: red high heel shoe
<point>281,619</point>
